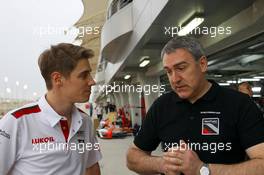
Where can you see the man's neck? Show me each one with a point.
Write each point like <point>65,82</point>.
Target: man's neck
<point>59,104</point>
<point>203,89</point>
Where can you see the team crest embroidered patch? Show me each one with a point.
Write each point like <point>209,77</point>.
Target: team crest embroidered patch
<point>80,136</point>
<point>210,126</point>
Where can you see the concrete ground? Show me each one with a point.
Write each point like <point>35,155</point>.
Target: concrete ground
<point>114,156</point>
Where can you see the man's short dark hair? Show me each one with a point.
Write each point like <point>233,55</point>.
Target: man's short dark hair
<point>62,58</point>
<point>184,42</point>
<point>243,83</point>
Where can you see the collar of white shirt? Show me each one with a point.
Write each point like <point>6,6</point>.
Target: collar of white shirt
<point>48,114</point>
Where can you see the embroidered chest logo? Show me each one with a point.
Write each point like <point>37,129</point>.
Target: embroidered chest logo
<point>4,134</point>
<point>210,126</point>
<point>42,140</point>
<point>80,136</point>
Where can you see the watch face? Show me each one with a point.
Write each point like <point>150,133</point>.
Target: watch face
<point>204,171</point>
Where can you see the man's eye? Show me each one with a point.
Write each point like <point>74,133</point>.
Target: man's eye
<point>84,76</point>
<point>181,68</point>
<point>168,72</point>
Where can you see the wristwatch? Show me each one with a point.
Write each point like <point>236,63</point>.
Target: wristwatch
<point>204,170</point>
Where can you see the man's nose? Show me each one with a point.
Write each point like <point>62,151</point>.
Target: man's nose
<point>176,77</point>
<point>91,81</point>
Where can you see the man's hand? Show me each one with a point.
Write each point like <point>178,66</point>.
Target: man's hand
<point>143,162</point>
<point>182,159</point>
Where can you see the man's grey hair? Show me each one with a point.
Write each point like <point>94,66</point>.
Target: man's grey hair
<point>184,42</point>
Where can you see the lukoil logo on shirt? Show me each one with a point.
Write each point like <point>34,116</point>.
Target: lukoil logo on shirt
<point>42,140</point>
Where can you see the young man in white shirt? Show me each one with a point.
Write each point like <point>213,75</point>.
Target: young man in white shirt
<point>52,136</point>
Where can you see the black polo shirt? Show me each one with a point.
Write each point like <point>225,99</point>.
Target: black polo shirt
<point>219,126</point>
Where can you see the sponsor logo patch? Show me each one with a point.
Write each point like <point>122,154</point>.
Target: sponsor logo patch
<point>210,126</point>
<point>42,140</point>
<point>80,136</point>
<point>4,134</point>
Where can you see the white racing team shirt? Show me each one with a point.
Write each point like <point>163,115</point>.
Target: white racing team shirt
<point>36,140</point>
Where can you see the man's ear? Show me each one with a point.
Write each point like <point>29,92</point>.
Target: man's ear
<point>203,63</point>
<point>57,79</point>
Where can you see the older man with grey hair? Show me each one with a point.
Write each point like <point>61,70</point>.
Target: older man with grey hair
<point>204,129</point>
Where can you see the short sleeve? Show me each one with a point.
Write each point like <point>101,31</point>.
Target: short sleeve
<point>94,155</point>
<point>250,125</point>
<point>8,143</point>
<point>147,136</point>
